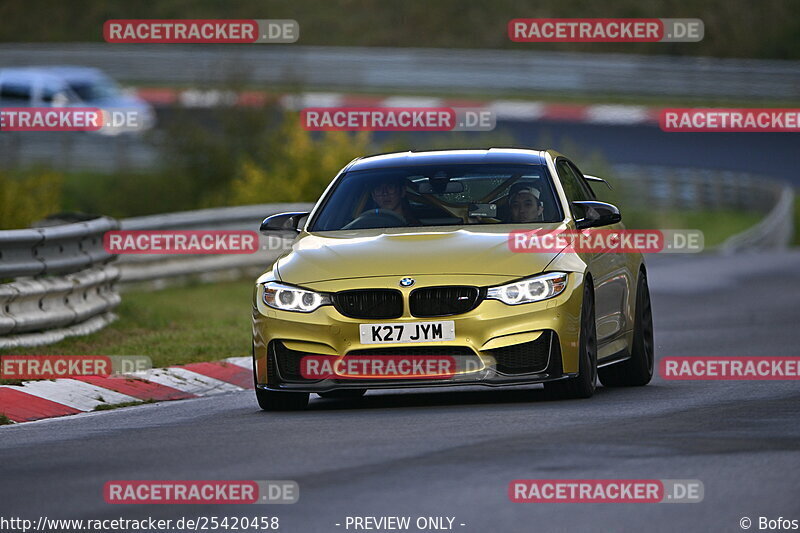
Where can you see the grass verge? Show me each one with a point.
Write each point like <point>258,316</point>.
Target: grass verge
<point>4,420</point>
<point>716,226</point>
<point>173,326</point>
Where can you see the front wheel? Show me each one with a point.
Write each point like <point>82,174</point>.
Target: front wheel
<point>638,370</point>
<point>584,384</point>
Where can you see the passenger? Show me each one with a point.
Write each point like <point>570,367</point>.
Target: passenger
<point>523,200</point>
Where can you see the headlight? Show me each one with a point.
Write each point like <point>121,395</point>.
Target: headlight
<point>286,298</point>
<point>530,290</point>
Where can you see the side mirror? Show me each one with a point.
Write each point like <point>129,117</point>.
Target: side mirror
<point>597,214</point>
<point>282,222</point>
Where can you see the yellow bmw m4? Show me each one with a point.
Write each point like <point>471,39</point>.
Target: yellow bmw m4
<point>406,259</point>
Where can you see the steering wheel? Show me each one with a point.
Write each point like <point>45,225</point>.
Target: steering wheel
<point>375,218</point>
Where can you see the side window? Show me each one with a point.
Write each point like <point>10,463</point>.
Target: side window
<point>48,93</point>
<point>15,92</point>
<point>582,181</point>
<point>572,184</point>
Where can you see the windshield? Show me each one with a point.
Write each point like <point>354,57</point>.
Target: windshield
<point>91,91</point>
<point>439,195</point>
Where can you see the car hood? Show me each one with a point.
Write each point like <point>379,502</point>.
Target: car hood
<point>402,252</point>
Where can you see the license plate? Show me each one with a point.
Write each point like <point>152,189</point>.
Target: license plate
<point>443,330</point>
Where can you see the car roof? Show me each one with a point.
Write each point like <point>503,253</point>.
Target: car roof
<point>28,74</point>
<point>64,72</point>
<point>75,73</point>
<point>517,156</point>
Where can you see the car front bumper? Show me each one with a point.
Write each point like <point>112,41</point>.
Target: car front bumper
<point>498,336</point>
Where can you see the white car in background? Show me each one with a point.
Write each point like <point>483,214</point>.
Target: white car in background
<point>71,86</point>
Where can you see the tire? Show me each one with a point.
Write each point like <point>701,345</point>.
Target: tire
<point>270,400</point>
<point>585,383</point>
<point>344,394</point>
<point>638,370</point>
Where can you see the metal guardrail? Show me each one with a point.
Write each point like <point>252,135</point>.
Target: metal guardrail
<point>697,188</point>
<point>692,188</point>
<point>54,250</point>
<point>63,282</point>
<point>53,302</point>
<point>775,230</point>
<point>160,270</point>
<point>79,298</point>
<point>453,70</point>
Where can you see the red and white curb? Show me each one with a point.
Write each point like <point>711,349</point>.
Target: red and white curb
<point>522,110</point>
<point>34,400</point>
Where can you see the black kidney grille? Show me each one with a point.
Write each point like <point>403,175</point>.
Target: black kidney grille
<point>369,303</point>
<point>443,301</point>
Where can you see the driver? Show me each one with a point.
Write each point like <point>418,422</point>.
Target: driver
<point>525,204</point>
<point>391,195</point>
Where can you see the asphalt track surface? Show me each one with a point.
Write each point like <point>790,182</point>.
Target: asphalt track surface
<point>431,453</point>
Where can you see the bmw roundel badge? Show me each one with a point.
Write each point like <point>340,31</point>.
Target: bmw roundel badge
<point>406,282</point>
